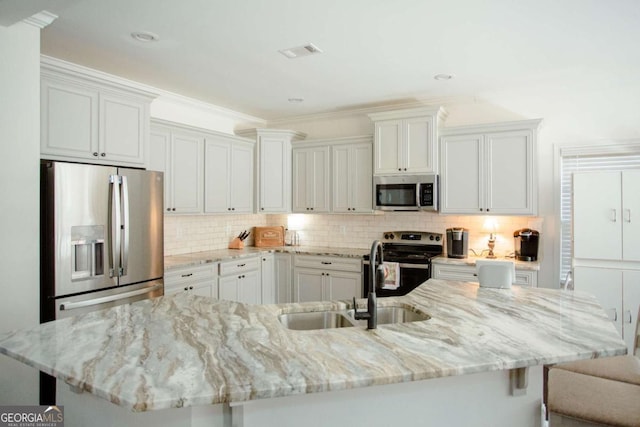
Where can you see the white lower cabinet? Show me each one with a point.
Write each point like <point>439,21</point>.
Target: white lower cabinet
<point>618,291</point>
<point>321,278</point>
<point>240,280</point>
<point>467,273</point>
<point>267,275</point>
<point>282,278</point>
<point>199,280</point>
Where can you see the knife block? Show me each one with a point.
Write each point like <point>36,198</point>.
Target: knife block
<point>236,243</point>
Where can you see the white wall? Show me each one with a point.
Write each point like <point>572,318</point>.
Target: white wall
<point>19,192</point>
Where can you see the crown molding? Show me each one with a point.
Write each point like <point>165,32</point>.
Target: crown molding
<point>533,124</point>
<point>175,125</point>
<point>404,113</point>
<point>293,135</point>
<point>336,141</point>
<point>41,19</point>
<point>418,102</point>
<point>621,147</point>
<point>61,68</point>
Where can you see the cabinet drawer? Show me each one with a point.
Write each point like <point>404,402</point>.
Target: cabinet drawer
<point>239,265</point>
<point>190,274</point>
<point>462,273</point>
<point>526,278</point>
<point>201,287</point>
<point>328,262</point>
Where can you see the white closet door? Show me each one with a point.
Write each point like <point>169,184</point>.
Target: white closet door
<point>597,202</point>
<point>631,215</point>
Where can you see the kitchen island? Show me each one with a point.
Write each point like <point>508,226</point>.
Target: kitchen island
<point>480,355</point>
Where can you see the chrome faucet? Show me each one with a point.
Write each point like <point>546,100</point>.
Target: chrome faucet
<point>375,279</point>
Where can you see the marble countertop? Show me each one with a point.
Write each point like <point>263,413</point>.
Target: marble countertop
<point>471,261</point>
<point>186,350</point>
<point>198,258</point>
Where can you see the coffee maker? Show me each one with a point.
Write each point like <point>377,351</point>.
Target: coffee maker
<point>526,244</point>
<point>457,242</point>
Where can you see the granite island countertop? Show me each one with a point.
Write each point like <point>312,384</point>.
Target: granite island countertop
<point>198,258</point>
<point>186,350</point>
<point>471,261</point>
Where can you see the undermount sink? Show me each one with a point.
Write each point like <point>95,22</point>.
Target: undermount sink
<point>396,314</point>
<point>315,320</point>
<point>305,321</point>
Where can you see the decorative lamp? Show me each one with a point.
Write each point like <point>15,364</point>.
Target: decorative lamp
<point>490,226</point>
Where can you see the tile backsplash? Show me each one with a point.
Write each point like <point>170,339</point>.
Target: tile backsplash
<point>185,234</point>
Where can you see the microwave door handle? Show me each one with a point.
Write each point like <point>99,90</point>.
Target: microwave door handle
<point>124,189</point>
<point>418,195</point>
<point>115,225</point>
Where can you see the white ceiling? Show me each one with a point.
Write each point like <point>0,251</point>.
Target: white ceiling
<point>375,51</point>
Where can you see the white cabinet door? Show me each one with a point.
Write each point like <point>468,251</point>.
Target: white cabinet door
<point>283,274</point>
<point>249,290</point>
<point>630,306</point>
<point>419,152</point>
<point>606,285</point>
<point>122,129</point>
<point>81,121</point>
<point>597,200</point>
<point>69,120</point>
<point>217,176</point>
<point>308,285</point>
<point>241,179</point>
<point>352,178</point>
<point>275,175</point>
<point>342,285</point>
<point>388,156</point>
<point>311,180</point>
<point>160,160</point>
<point>186,173</point>
<point>489,169</point>
<point>267,275</point>
<point>228,288</point>
<point>631,215</point>
<point>510,174</point>
<point>462,171</point>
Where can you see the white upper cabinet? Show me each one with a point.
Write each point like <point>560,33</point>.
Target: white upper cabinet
<point>179,154</point>
<point>273,168</point>
<point>351,172</point>
<point>228,175</point>
<point>311,179</point>
<point>606,215</point>
<point>405,141</point>
<point>489,169</point>
<point>84,118</point>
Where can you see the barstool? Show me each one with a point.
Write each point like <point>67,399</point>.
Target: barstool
<point>596,392</point>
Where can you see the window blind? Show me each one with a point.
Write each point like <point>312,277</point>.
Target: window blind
<point>572,161</point>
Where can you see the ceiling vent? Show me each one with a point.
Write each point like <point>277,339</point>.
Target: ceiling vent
<point>297,52</point>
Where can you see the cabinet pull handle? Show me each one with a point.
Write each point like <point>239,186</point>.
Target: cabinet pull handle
<point>628,215</point>
<point>614,215</point>
<point>326,263</point>
<point>241,265</point>
<point>627,314</point>
<point>187,275</point>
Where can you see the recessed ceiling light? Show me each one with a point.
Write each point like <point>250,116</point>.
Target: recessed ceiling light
<point>443,76</point>
<point>298,51</point>
<point>296,100</point>
<point>145,36</point>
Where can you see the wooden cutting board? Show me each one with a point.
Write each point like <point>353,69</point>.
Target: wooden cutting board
<point>268,236</point>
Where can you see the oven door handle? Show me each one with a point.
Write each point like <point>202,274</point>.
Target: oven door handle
<point>404,265</point>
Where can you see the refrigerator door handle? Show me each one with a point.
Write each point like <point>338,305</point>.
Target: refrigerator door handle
<point>96,301</point>
<point>125,226</point>
<point>115,226</point>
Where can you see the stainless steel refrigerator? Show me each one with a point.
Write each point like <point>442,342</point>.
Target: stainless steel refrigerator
<point>101,238</point>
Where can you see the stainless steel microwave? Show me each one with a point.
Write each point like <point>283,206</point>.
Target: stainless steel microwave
<point>406,192</point>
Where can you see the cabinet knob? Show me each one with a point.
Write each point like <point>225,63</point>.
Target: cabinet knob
<point>400,169</point>
<point>173,209</point>
<point>191,287</point>
<point>261,209</point>
<point>169,209</point>
<point>228,209</point>
<point>103,154</point>
<point>233,209</point>
<point>487,210</point>
<point>95,154</point>
<point>405,168</point>
<point>186,288</point>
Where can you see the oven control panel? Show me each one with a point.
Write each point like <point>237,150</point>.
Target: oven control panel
<point>412,237</point>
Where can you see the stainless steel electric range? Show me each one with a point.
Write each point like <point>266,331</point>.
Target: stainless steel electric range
<point>412,251</point>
